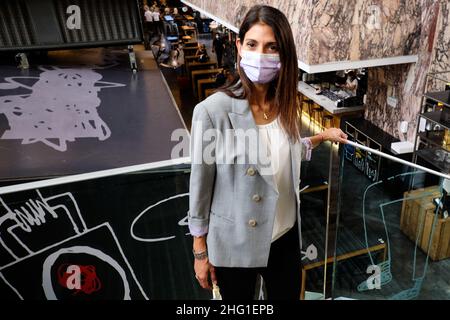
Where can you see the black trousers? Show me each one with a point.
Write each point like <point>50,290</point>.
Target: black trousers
<point>282,276</point>
<point>219,54</point>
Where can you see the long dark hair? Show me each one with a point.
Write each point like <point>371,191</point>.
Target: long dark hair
<point>282,92</point>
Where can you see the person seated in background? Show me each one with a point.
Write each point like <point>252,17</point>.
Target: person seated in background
<point>222,77</point>
<point>202,53</point>
<point>341,77</point>
<point>351,84</point>
<point>164,48</point>
<point>172,60</point>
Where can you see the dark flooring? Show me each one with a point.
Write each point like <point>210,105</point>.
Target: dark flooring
<point>180,85</point>
<point>79,111</point>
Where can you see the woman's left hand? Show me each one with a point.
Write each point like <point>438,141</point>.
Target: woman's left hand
<point>334,135</point>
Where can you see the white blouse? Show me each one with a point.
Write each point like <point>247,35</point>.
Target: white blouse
<point>275,141</point>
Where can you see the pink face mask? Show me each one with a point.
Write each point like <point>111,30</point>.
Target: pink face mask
<point>260,67</point>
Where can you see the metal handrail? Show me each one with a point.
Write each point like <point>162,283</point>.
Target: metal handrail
<point>92,175</point>
<point>408,163</point>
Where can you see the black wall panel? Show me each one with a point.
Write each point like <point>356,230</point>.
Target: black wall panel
<point>42,24</point>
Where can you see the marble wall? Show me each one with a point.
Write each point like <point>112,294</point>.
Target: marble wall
<point>409,80</point>
<point>338,30</point>
<point>359,30</point>
<point>384,82</point>
<point>441,54</point>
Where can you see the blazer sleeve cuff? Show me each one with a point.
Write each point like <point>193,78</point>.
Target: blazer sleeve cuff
<point>307,147</point>
<point>198,227</point>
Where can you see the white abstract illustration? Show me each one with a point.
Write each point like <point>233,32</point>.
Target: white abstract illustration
<point>61,107</point>
<point>40,213</point>
<point>35,214</point>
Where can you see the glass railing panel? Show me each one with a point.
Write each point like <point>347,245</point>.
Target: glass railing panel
<point>314,189</point>
<point>393,231</point>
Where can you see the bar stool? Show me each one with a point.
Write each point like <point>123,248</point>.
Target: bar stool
<point>309,104</point>
<point>327,119</point>
<point>317,114</point>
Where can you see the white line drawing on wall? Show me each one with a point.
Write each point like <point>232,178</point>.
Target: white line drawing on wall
<point>61,107</point>
<point>14,290</point>
<point>35,214</point>
<point>51,259</point>
<point>182,222</point>
<point>385,272</point>
<point>92,251</point>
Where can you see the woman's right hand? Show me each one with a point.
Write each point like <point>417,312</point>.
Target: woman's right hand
<point>204,272</point>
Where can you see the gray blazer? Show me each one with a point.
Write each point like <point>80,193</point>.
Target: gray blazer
<point>233,203</point>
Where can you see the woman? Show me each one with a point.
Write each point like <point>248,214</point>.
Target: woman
<point>244,215</point>
<point>217,48</point>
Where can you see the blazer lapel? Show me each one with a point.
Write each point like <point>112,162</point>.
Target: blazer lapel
<point>241,117</point>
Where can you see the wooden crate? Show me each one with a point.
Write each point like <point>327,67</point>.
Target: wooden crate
<point>416,221</point>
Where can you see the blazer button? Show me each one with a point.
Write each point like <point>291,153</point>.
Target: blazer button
<point>256,198</point>
<point>251,171</point>
<point>252,223</point>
